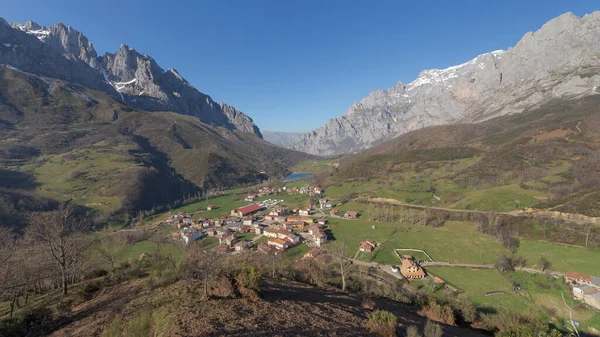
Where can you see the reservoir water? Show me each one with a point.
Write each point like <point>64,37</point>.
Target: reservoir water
<point>294,176</point>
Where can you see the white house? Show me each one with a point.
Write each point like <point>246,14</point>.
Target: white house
<point>581,290</point>
<point>304,212</point>
<point>278,243</point>
<point>189,236</point>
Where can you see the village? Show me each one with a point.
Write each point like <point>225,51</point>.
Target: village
<point>267,226</point>
<point>242,228</point>
<point>283,228</point>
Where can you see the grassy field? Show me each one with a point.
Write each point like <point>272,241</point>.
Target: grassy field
<point>562,257</point>
<point>418,183</point>
<point>454,243</point>
<point>132,252</point>
<point>476,282</point>
<point>90,176</point>
<point>296,252</point>
<point>537,294</point>
<point>314,166</point>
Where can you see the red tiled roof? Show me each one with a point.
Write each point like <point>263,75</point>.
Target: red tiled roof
<point>249,209</point>
<point>278,241</point>
<point>579,276</point>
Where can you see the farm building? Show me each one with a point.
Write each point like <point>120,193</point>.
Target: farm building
<point>246,210</point>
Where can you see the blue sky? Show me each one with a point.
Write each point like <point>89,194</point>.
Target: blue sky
<point>291,65</point>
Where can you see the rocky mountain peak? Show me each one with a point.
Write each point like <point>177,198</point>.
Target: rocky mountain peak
<point>560,60</point>
<point>71,43</point>
<point>31,25</point>
<point>63,52</point>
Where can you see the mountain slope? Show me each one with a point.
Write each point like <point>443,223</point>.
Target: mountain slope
<point>560,60</point>
<point>64,53</point>
<point>285,139</point>
<point>544,158</point>
<point>82,144</point>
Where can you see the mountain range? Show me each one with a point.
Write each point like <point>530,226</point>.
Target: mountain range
<point>560,60</point>
<point>136,79</point>
<point>115,132</point>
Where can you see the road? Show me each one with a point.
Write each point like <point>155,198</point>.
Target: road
<point>385,267</point>
<point>388,268</point>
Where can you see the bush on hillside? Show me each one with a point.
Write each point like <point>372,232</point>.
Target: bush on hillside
<point>438,312</point>
<point>90,290</point>
<point>382,323</point>
<point>432,329</point>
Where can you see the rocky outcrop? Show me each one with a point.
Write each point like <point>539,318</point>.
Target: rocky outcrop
<point>560,60</point>
<point>284,139</point>
<point>64,53</point>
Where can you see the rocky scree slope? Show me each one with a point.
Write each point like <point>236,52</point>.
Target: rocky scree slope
<point>136,79</point>
<point>285,139</point>
<point>560,60</point>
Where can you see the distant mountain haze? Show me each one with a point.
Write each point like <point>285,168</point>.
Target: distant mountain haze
<point>559,60</point>
<point>284,139</point>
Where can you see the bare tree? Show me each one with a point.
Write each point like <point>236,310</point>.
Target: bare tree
<point>544,263</point>
<point>110,247</point>
<point>9,284</point>
<point>588,233</point>
<point>504,263</point>
<point>339,256</point>
<point>203,264</point>
<point>62,233</point>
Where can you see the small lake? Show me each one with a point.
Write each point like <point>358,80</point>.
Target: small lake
<point>294,176</point>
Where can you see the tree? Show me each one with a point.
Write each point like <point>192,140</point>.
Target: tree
<point>432,329</point>
<point>544,263</point>
<point>203,264</point>
<point>314,200</point>
<point>588,233</point>
<point>62,234</point>
<point>504,263</point>
<point>339,256</point>
<point>10,285</point>
<point>110,248</point>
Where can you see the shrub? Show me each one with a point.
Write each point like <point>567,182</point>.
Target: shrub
<point>89,290</point>
<point>64,307</point>
<point>95,274</point>
<point>438,312</point>
<point>382,323</point>
<point>432,329</point>
<point>248,281</point>
<point>37,317</point>
<point>113,329</point>
<point>368,303</point>
<point>413,331</point>
<point>139,326</point>
<point>162,322</point>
